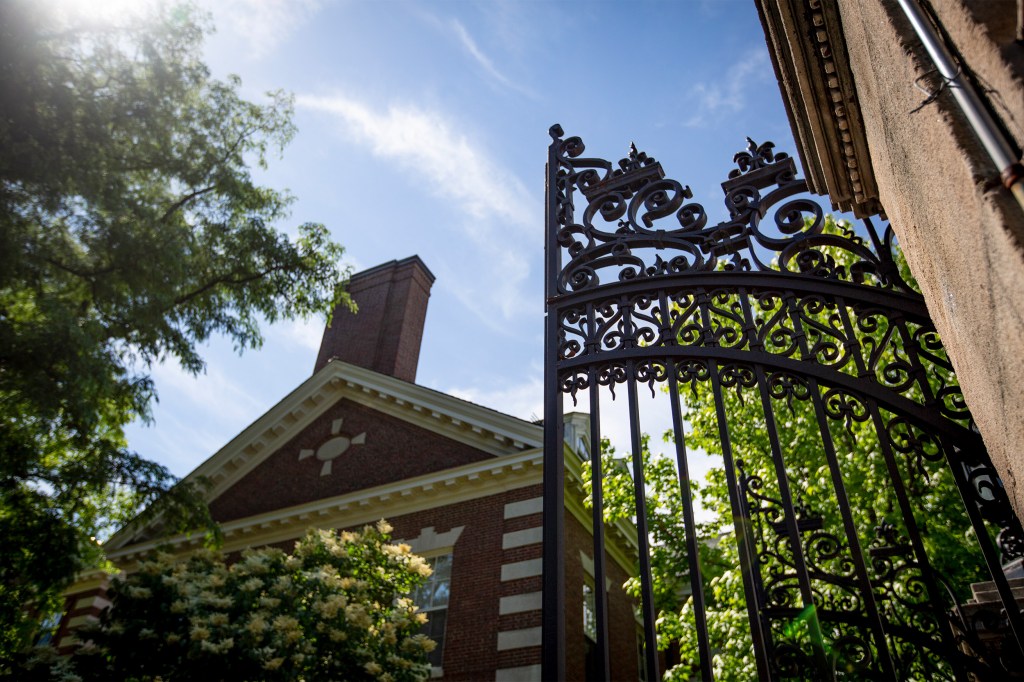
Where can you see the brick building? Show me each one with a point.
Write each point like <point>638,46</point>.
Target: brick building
<point>359,441</point>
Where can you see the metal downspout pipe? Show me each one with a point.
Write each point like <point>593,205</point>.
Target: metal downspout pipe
<point>999,149</point>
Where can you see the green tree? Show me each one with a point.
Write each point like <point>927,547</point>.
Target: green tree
<point>131,230</point>
<point>725,606</point>
<point>867,485</point>
<point>337,608</point>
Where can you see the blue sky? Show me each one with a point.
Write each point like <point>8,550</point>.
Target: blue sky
<point>423,130</point>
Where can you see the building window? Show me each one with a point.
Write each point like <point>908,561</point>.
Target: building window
<point>432,598</point>
<point>48,629</point>
<point>589,613</point>
<point>590,653</point>
<point>641,663</point>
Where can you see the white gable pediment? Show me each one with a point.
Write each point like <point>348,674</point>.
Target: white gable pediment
<point>484,429</point>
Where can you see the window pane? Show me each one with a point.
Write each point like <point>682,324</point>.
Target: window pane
<point>442,566</point>
<point>421,596</point>
<point>432,598</point>
<point>434,629</point>
<point>589,613</point>
<point>441,594</point>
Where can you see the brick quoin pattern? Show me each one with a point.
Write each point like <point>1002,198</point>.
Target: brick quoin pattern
<point>88,604</point>
<point>471,638</point>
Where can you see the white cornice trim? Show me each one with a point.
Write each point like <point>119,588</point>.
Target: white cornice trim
<point>408,496</point>
<point>519,433</point>
<point>809,52</point>
<point>90,580</point>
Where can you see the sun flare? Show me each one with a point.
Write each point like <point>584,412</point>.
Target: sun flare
<point>101,11</point>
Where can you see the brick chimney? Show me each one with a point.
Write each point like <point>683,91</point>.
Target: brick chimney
<point>385,334</point>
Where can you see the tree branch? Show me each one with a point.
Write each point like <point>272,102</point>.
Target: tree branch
<point>230,281</point>
<point>84,274</point>
<point>184,200</point>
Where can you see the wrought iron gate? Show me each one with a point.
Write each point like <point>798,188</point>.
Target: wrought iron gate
<point>814,323</point>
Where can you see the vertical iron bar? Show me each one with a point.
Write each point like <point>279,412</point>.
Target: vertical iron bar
<point>991,557</point>
<point>553,564</point>
<point>853,344</point>
<point>897,481</point>
<point>692,545</point>
<point>849,527</point>
<point>799,563</point>
<point>915,537</point>
<point>752,583</point>
<point>600,594</point>
<point>875,620</point>
<point>880,250</point>
<point>910,348</point>
<point>646,586</point>
<point>988,551</point>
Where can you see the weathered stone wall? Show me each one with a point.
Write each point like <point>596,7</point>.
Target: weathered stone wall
<point>961,232</point>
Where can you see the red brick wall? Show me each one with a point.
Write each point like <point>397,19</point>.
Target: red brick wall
<point>622,624</point>
<point>470,649</point>
<point>471,636</point>
<point>394,450</point>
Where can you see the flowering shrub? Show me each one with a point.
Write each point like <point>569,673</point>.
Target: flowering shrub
<point>335,609</point>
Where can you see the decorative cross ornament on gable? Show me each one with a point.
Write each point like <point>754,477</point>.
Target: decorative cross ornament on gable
<point>333,447</point>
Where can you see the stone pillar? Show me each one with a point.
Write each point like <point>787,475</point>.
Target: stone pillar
<point>850,72</point>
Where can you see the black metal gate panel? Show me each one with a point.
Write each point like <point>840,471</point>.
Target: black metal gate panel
<point>813,325</point>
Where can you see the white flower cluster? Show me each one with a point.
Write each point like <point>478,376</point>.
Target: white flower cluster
<point>335,609</point>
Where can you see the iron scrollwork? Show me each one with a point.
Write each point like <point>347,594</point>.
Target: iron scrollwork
<point>626,206</point>
<point>817,322</point>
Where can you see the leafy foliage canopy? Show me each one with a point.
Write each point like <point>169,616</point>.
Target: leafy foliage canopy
<point>131,231</point>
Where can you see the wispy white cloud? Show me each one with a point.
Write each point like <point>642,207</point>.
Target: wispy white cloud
<point>524,400</point>
<point>729,94</point>
<point>261,24</point>
<point>485,62</point>
<point>212,393</point>
<point>302,334</point>
<point>490,284</point>
<point>177,442</point>
<point>501,218</point>
<point>425,143</point>
<point>195,417</point>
